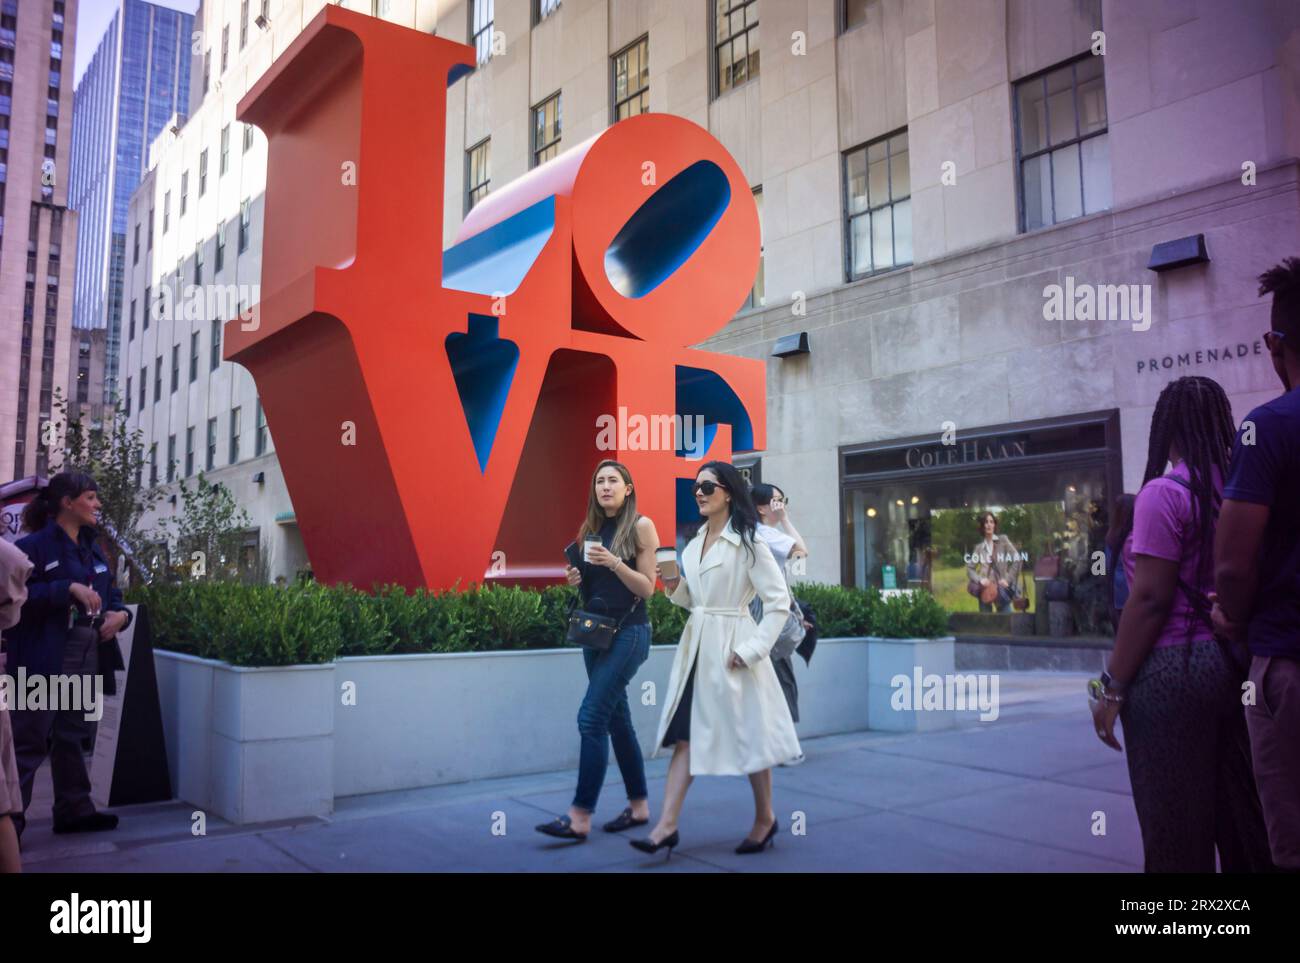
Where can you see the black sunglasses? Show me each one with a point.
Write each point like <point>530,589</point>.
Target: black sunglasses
<point>708,487</point>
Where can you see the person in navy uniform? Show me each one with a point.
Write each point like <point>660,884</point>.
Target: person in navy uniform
<point>70,584</point>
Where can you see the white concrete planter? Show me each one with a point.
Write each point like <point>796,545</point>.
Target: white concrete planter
<point>253,745</point>
<point>889,661</point>
<point>250,745</point>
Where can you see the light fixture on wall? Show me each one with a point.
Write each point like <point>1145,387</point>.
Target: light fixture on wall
<point>871,513</point>
<point>916,499</point>
<point>262,22</point>
<point>1168,255</point>
<point>790,345</point>
<point>259,478</point>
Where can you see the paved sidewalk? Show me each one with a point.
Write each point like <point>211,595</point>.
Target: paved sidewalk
<point>1018,794</point>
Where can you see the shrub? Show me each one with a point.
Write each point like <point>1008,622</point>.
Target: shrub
<point>840,611</point>
<point>307,622</point>
<point>915,616</point>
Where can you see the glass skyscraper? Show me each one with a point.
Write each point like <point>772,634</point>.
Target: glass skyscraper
<point>137,79</point>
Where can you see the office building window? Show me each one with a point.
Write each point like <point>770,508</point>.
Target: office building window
<point>878,219</point>
<point>128,396</point>
<point>248,137</point>
<point>225,47</point>
<point>171,458</point>
<point>189,451</point>
<point>632,80</point>
<point>144,387</point>
<point>1062,143</point>
<point>148,307</point>
<point>198,263</point>
<point>853,13</point>
<point>259,441</point>
<point>185,191</point>
<point>756,296</point>
<point>135,246</point>
<point>215,358</point>
<point>153,464</point>
<point>212,444</point>
<point>735,43</point>
<point>207,70</point>
<point>157,378</point>
<point>243,24</point>
<point>203,172</point>
<point>478,175</point>
<point>245,223</point>
<point>167,210</point>
<point>547,119</point>
<point>221,247</point>
<point>234,435</point>
<point>131,335</point>
<point>149,246</point>
<point>176,367</point>
<point>224,164</point>
<point>543,9</point>
<point>480,28</point>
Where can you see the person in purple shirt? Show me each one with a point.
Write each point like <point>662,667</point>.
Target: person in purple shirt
<point>1258,570</point>
<point>1174,687</point>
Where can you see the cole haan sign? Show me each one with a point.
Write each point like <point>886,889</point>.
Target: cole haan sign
<point>967,452</point>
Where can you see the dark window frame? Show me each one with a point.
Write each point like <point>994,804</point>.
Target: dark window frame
<point>1021,158</point>
<point>849,217</point>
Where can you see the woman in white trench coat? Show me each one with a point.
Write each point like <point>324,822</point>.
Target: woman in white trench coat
<point>725,714</point>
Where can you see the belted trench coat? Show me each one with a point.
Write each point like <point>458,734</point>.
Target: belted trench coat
<point>740,722</point>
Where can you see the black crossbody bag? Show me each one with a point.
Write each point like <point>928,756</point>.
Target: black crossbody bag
<point>592,630</point>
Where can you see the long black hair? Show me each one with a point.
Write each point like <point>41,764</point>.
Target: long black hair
<point>1121,523</point>
<point>48,500</point>
<point>744,516</point>
<point>1193,415</point>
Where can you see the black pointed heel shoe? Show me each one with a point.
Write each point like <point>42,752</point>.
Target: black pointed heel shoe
<point>561,828</point>
<point>648,846</point>
<point>624,821</point>
<point>751,846</point>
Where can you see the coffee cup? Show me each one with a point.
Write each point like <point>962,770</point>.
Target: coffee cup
<point>587,544</point>
<point>666,558</point>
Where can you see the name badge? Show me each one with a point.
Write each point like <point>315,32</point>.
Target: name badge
<point>51,565</point>
<point>101,568</point>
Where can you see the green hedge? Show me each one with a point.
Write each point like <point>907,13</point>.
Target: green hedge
<point>309,623</point>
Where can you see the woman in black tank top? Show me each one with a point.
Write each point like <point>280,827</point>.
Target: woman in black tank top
<point>615,580</point>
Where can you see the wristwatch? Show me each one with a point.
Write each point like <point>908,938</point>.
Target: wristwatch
<point>1111,685</point>
<point>1105,689</point>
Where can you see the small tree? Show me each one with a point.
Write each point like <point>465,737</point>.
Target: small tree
<point>209,531</point>
<point>114,456</point>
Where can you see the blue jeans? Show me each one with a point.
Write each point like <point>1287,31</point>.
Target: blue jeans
<point>605,716</point>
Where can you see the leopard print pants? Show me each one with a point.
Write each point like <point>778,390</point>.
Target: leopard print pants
<point>1189,763</point>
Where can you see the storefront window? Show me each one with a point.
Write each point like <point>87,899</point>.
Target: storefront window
<point>1002,523</point>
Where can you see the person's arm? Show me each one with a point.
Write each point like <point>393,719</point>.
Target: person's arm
<point>787,526</point>
<point>1237,542</point>
<point>1150,599</point>
<point>769,583</point>
<point>1248,494</point>
<point>641,580</point>
<point>44,595</point>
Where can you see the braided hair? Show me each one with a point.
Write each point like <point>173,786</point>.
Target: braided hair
<point>1193,415</point>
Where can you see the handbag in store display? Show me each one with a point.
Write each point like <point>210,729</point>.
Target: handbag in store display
<point>1020,602</point>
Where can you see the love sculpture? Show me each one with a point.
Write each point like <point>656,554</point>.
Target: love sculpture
<point>435,412</point>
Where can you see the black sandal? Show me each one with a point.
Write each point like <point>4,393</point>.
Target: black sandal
<point>561,828</point>
<point>624,821</point>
